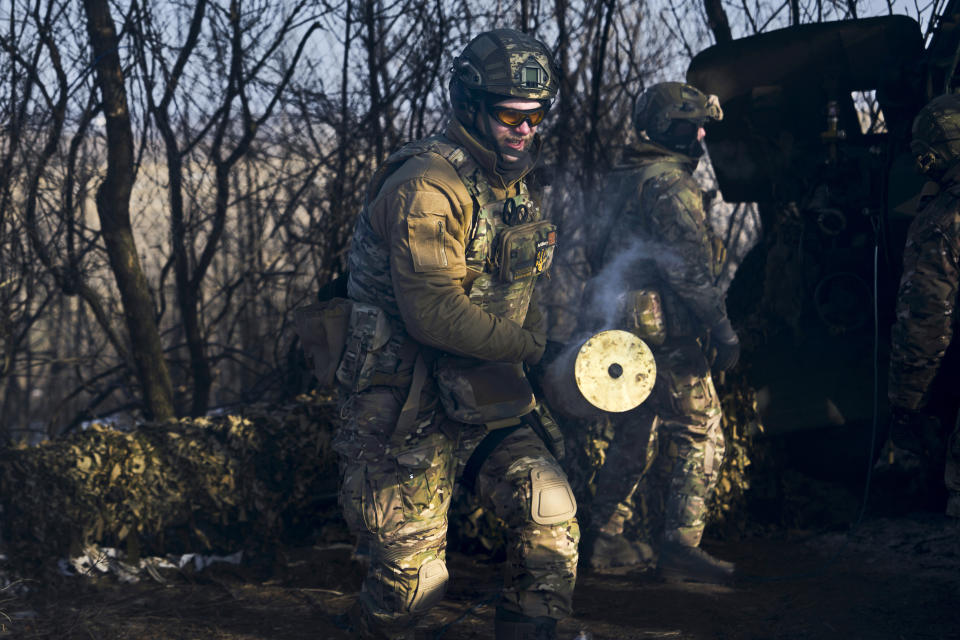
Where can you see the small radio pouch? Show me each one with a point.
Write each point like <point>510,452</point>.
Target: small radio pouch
<point>526,250</point>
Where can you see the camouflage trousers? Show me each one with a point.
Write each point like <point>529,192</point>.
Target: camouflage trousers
<point>666,454</point>
<point>396,501</point>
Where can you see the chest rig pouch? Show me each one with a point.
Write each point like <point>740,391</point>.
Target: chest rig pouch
<point>506,254</point>
<point>526,250</point>
<point>505,259</point>
<point>642,315</point>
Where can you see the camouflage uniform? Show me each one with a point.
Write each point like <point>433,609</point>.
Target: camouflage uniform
<point>926,304</point>
<point>663,242</point>
<point>423,255</point>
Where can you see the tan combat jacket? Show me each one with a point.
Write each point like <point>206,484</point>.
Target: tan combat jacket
<point>423,215</point>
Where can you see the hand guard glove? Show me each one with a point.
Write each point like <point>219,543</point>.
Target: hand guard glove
<point>725,344</point>
<point>537,372</point>
<point>540,344</point>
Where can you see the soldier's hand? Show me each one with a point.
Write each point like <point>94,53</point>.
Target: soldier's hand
<point>552,351</point>
<point>726,346</point>
<point>540,345</point>
<point>537,372</point>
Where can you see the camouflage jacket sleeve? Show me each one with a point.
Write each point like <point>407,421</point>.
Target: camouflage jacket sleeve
<point>926,301</point>
<point>426,219</point>
<point>678,229</point>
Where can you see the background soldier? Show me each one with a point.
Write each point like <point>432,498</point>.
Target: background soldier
<point>661,263</point>
<point>443,264</point>
<point>926,302</point>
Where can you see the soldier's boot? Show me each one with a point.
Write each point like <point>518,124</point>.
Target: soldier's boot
<point>516,626</point>
<point>615,554</point>
<point>680,562</point>
<point>365,627</point>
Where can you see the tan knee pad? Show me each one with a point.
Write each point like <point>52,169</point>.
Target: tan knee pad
<point>431,585</point>
<point>552,499</point>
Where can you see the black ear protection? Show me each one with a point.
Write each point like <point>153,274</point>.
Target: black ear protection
<point>927,160</point>
<point>467,73</point>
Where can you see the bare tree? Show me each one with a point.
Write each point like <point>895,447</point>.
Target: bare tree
<point>239,140</point>
<point>113,204</point>
<point>251,43</point>
<point>717,20</point>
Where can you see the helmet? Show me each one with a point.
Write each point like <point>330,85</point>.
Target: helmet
<point>502,64</point>
<point>671,113</point>
<point>936,135</point>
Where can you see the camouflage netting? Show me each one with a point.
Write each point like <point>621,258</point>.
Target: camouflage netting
<point>741,422</point>
<point>261,476</point>
<point>258,478</point>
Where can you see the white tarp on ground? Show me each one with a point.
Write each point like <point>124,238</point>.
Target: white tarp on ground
<point>107,560</point>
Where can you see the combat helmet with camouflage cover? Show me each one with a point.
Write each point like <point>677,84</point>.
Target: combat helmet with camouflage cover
<point>670,113</point>
<point>936,135</point>
<point>499,65</point>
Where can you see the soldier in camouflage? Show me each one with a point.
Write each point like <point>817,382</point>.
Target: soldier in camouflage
<point>926,303</point>
<point>660,268</point>
<point>443,265</point>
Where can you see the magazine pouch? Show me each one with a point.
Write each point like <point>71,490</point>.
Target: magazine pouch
<point>369,330</point>
<point>526,250</point>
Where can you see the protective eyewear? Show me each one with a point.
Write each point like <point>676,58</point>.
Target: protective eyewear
<point>515,117</point>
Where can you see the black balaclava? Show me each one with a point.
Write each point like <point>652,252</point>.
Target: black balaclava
<point>681,136</point>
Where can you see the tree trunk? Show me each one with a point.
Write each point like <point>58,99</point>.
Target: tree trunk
<point>372,42</point>
<point>605,10</point>
<point>566,86</point>
<point>113,206</point>
<point>717,20</point>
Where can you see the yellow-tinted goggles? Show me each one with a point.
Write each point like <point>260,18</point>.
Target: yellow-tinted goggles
<point>515,117</point>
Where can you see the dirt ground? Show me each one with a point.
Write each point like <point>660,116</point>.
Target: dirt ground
<point>814,562</point>
<point>894,577</point>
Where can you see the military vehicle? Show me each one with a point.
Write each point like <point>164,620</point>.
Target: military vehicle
<point>816,131</point>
